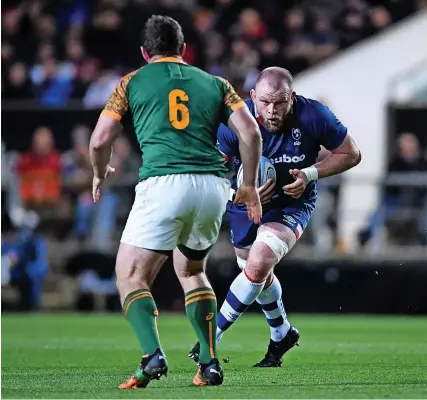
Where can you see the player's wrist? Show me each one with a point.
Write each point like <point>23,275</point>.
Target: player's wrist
<point>249,185</point>
<point>311,173</point>
<point>99,174</point>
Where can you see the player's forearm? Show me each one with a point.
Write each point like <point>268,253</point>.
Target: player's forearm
<point>244,125</point>
<point>100,157</point>
<point>346,156</point>
<point>106,130</point>
<point>336,163</point>
<point>250,149</point>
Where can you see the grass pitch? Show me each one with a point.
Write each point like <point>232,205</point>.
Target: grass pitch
<point>87,356</point>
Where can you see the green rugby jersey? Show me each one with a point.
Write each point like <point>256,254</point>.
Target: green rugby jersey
<point>175,110</point>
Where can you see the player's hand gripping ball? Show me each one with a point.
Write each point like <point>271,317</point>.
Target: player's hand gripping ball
<point>266,179</point>
<point>297,188</point>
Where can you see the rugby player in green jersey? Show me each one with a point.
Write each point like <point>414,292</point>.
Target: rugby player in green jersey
<point>175,110</point>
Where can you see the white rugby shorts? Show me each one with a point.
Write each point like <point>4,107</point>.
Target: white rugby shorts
<point>177,209</point>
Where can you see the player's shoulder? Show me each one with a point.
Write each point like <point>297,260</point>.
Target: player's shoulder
<point>311,111</point>
<point>125,79</point>
<point>307,105</point>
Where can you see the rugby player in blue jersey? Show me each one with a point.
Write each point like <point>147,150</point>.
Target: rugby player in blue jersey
<point>293,130</point>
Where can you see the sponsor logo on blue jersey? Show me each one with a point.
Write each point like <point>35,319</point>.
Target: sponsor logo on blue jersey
<point>288,159</point>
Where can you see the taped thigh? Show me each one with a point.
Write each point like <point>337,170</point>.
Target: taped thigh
<point>277,245</point>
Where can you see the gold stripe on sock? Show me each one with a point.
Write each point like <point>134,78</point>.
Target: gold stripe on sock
<point>190,296</point>
<point>155,324</point>
<point>211,348</point>
<point>138,296</point>
<point>131,295</point>
<point>135,297</point>
<point>200,298</point>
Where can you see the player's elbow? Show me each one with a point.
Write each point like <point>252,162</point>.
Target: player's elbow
<point>353,152</point>
<point>101,139</point>
<point>97,143</point>
<point>106,130</point>
<point>355,156</point>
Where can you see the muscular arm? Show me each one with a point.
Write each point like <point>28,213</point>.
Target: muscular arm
<point>346,156</point>
<point>246,128</point>
<point>100,149</point>
<point>323,153</point>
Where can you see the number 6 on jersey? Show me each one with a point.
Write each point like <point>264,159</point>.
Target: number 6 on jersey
<point>182,119</point>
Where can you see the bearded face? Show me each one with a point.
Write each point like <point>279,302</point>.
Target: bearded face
<point>273,103</point>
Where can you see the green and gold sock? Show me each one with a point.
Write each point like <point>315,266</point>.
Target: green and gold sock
<point>200,306</point>
<point>140,310</point>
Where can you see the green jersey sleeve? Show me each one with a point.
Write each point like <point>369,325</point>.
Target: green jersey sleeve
<point>117,105</point>
<point>232,101</point>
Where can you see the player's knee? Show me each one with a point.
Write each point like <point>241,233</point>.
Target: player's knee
<point>187,265</point>
<point>258,266</point>
<point>128,271</point>
<point>189,270</point>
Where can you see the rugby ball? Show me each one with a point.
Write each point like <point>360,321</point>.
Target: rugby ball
<point>266,171</point>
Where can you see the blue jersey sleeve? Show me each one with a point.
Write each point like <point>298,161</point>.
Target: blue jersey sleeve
<point>228,142</point>
<point>331,132</point>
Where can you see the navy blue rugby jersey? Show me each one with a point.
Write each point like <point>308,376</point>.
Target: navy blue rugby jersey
<point>310,125</point>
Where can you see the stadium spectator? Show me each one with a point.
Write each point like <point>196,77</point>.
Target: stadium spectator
<point>18,85</point>
<point>54,89</point>
<point>78,179</point>
<point>243,59</point>
<point>105,38</point>
<point>399,199</point>
<point>39,171</point>
<point>380,18</point>
<point>96,223</point>
<point>353,23</point>
<point>99,91</point>
<point>297,44</point>
<point>87,73</point>
<point>270,54</point>
<point>324,39</point>
<point>10,193</point>
<point>23,258</point>
<point>250,26</point>
<point>75,53</point>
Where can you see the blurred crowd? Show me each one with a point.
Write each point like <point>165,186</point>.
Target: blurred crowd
<point>56,184</point>
<point>56,51</point>
<point>403,204</point>
<point>42,184</point>
<point>47,196</point>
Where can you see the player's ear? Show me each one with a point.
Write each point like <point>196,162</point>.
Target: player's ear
<point>252,94</point>
<point>183,49</point>
<point>145,54</point>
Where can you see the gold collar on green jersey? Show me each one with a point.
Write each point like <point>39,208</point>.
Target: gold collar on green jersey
<point>170,59</point>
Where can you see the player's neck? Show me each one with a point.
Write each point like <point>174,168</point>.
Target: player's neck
<point>165,58</point>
